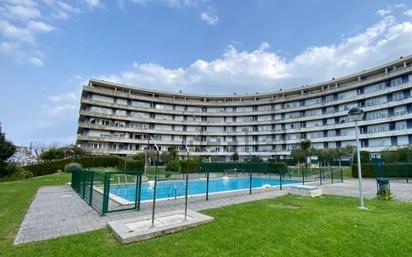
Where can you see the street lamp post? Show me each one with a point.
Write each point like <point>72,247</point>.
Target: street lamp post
<point>356,114</point>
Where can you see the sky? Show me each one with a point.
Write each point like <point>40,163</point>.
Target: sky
<point>49,49</point>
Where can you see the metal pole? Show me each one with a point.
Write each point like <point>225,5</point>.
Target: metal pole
<point>207,185</point>
<point>250,182</point>
<point>154,191</point>
<point>362,205</point>
<point>280,178</point>
<point>186,191</point>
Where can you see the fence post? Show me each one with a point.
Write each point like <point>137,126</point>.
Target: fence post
<point>406,169</point>
<point>207,185</point>
<point>280,176</point>
<point>331,174</point>
<point>84,184</point>
<point>250,182</point>
<point>320,174</point>
<point>341,174</point>
<point>138,191</point>
<point>91,188</point>
<point>303,176</point>
<point>186,191</point>
<point>106,193</point>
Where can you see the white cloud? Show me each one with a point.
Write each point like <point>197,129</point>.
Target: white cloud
<point>16,33</point>
<point>383,12</point>
<point>24,10</point>
<point>22,21</point>
<point>36,61</point>
<point>63,104</point>
<point>38,26</point>
<point>170,3</point>
<point>93,3</point>
<point>265,70</point>
<point>210,16</point>
<point>408,13</point>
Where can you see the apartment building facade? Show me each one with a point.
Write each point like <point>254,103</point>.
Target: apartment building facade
<point>119,119</point>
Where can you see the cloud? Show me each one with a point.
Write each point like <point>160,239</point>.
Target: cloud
<point>36,61</point>
<point>23,21</point>
<point>266,70</point>
<point>93,3</point>
<point>383,12</point>
<point>170,3</point>
<point>61,105</point>
<point>23,10</point>
<point>408,13</point>
<point>210,16</point>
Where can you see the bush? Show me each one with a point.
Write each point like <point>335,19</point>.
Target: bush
<point>16,172</point>
<point>278,167</point>
<point>173,166</point>
<point>190,166</point>
<point>71,167</point>
<point>368,170</point>
<point>51,167</point>
<point>130,165</point>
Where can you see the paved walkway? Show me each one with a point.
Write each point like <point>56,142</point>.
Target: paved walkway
<point>59,211</point>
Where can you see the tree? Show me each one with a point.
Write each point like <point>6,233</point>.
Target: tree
<point>235,157</point>
<point>52,154</point>
<point>173,152</point>
<point>303,152</point>
<point>7,149</point>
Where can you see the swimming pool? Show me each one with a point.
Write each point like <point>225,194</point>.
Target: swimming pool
<point>176,188</point>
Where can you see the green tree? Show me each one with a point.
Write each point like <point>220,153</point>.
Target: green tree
<point>235,157</point>
<point>52,154</point>
<point>7,149</point>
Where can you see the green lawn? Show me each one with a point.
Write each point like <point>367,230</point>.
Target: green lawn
<point>286,226</point>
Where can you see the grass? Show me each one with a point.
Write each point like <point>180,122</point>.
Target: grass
<point>285,226</point>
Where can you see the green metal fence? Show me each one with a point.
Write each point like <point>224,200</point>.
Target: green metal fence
<point>96,189</point>
<point>399,171</point>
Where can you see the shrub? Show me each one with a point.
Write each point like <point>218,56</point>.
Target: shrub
<point>191,166</point>
<point>368,170</point>
<point>130,165</point>
<point>278,167</point>
<point>71,167</point>
<point>51,167</point>
<point>384,195</point>
<point>16,172</point>
<point>173,166</point>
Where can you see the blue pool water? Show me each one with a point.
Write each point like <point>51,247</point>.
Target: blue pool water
<point>176,188</point>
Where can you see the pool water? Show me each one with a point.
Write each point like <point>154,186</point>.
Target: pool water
<point>176,188</point>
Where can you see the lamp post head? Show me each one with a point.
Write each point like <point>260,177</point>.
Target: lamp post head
<point>355,114</point>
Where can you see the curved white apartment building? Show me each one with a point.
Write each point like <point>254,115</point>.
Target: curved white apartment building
<point>117,119</point>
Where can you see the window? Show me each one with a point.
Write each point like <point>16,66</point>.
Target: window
<point>380,142</point>
<point>398,96</point>
<point>374,88</point>
<point>400,110</point>
<point>376,101</point>
<point>378,128</point>
<point>141,104</point>
<point>347,94</point>
<point>329,98</point>
<point>401,125</point>
<point>377,114</point>
<point>292,104</point>
<point>312,101</point>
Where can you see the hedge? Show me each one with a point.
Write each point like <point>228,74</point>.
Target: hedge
<point>51,167</point>
<point>130,165</point>
<point>368,170</point>
<point>189,166</point>
<point>173,165</point>
<point>278,167</point>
